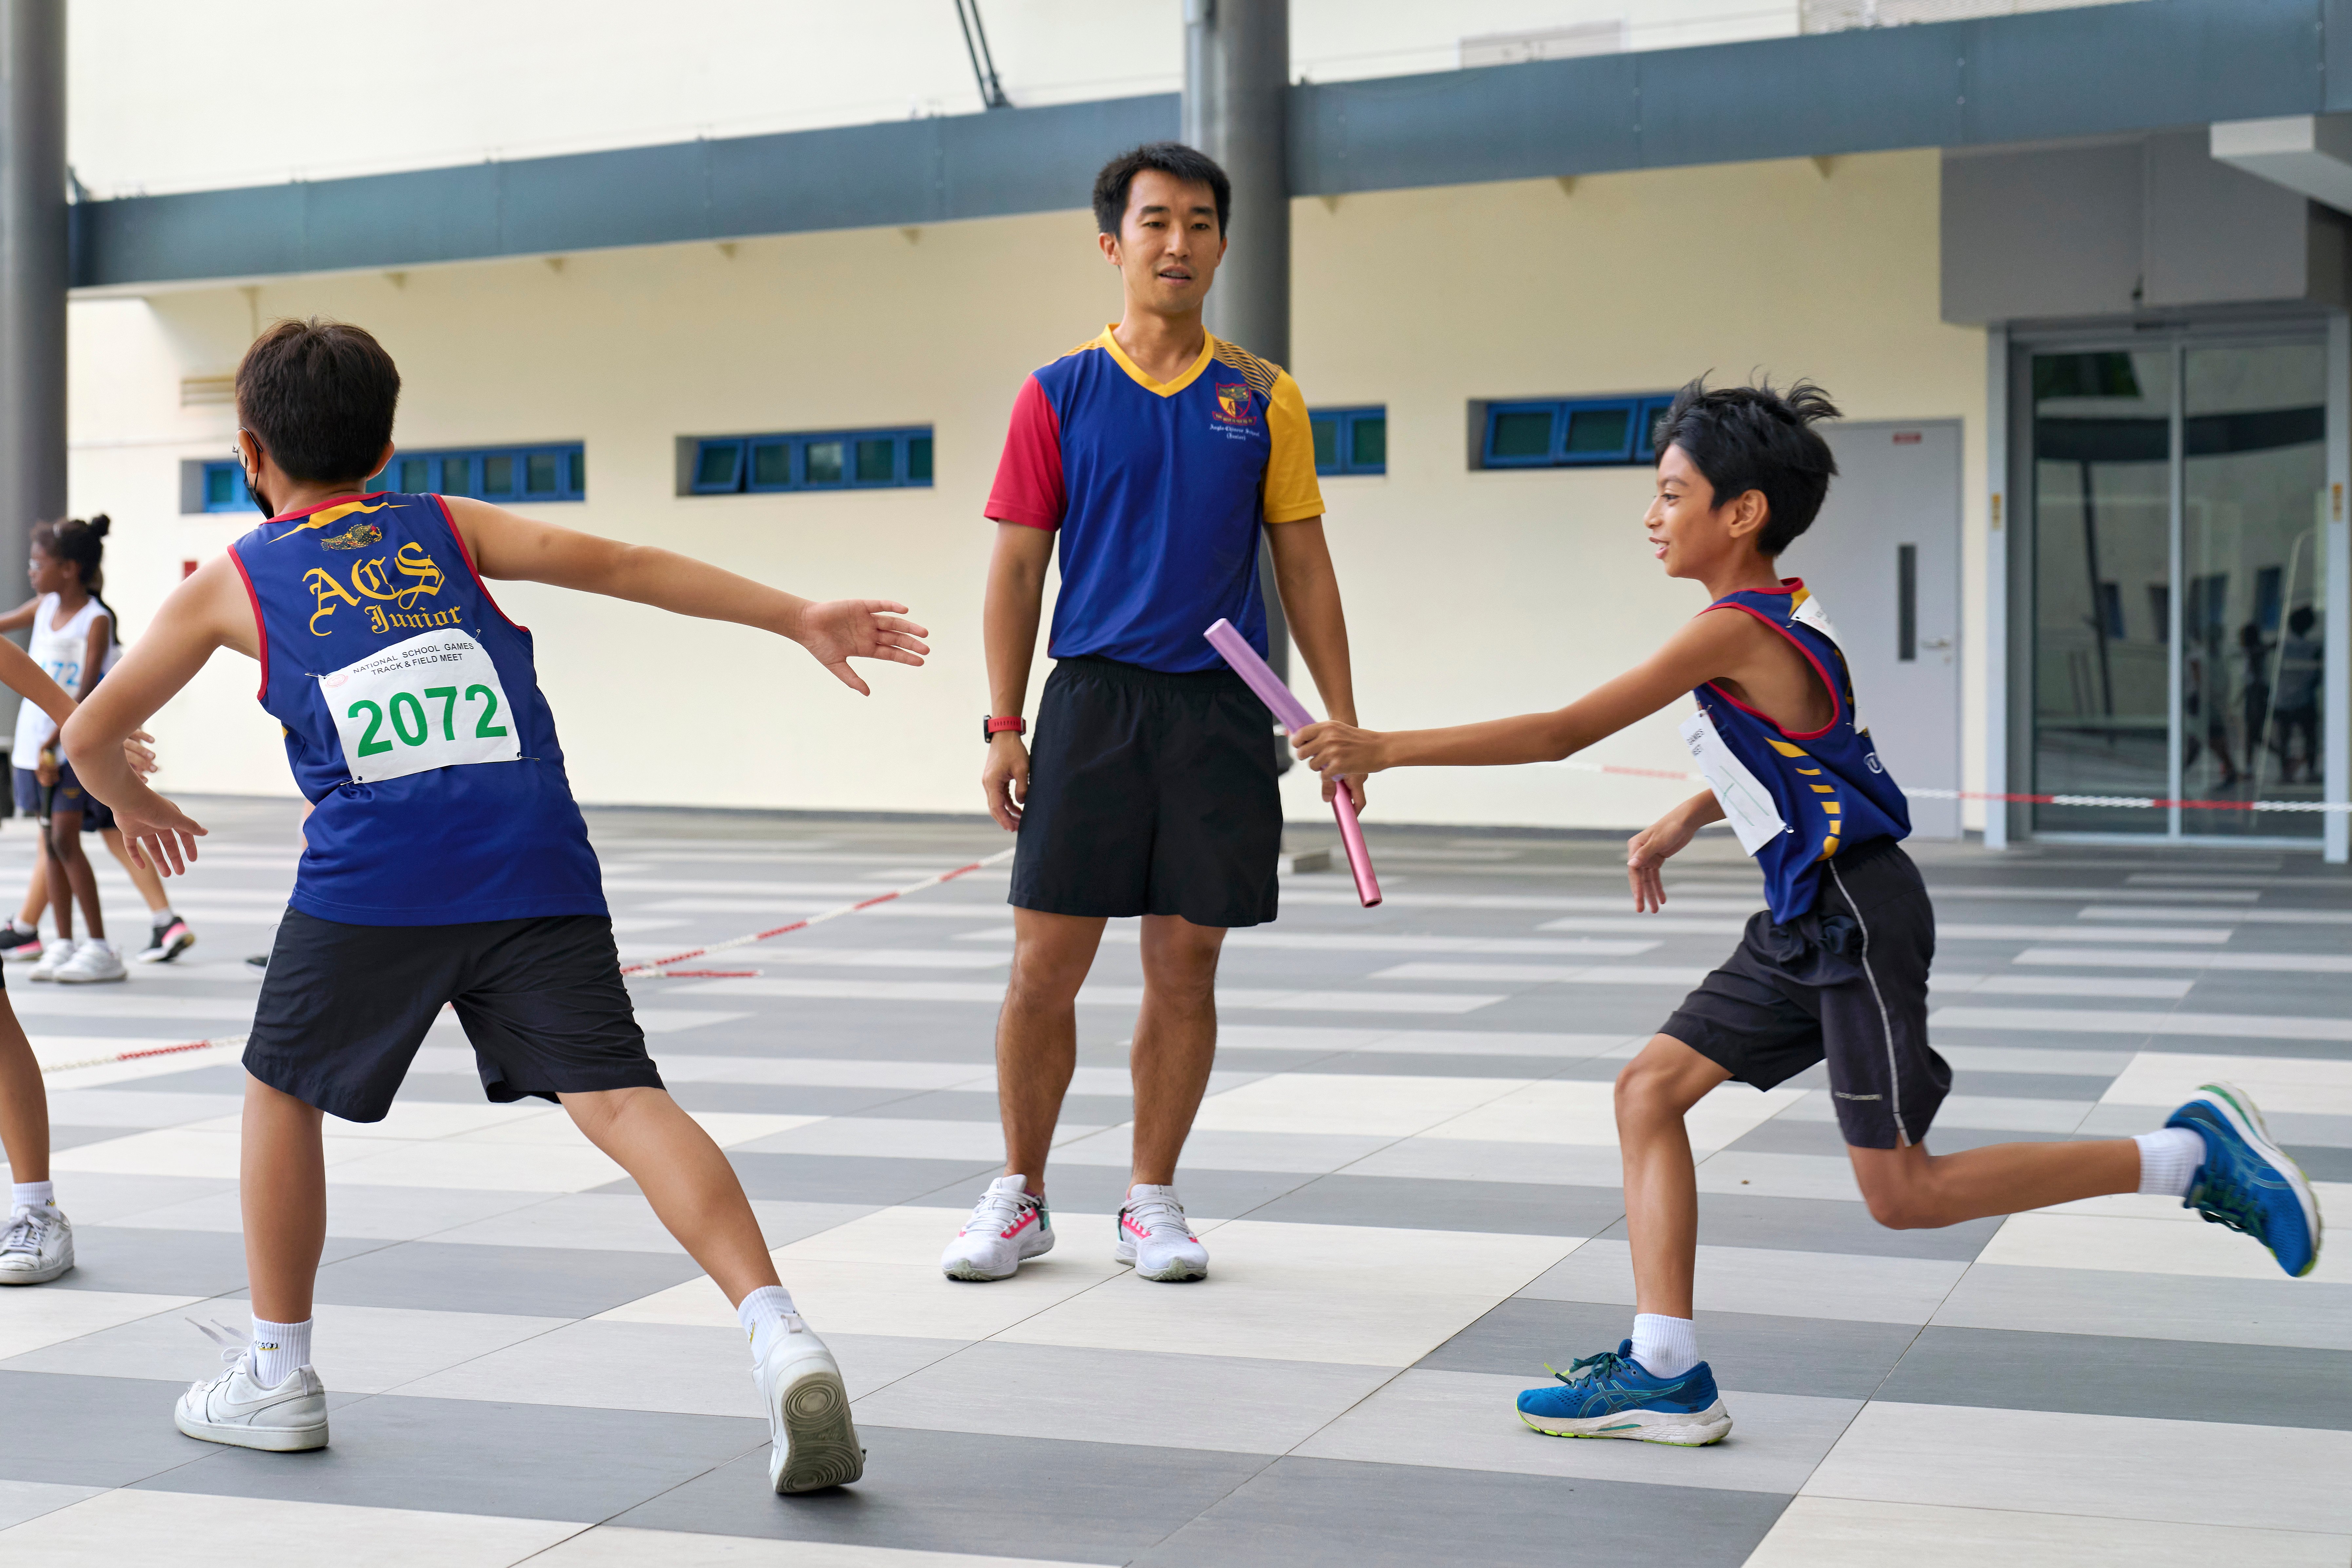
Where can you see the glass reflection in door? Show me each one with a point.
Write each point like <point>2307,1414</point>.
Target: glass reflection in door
<point>2102,540</point>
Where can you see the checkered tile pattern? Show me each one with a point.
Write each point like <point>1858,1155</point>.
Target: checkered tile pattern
<point>1406,1177</point>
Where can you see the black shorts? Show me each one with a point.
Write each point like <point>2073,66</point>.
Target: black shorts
<point>1150,795</point>
<point>344,1008</point>
<point>1846,984</point>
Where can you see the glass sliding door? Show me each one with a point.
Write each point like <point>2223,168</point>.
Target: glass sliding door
<point>2102,580</point>
<point>2178,497</point>
<point>2254,486</point>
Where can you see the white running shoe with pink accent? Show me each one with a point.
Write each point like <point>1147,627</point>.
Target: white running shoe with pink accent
<point>1153,1235</point>
<point>1008,1226</point>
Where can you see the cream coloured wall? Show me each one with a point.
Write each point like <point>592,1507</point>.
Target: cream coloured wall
<point>1470,594</point>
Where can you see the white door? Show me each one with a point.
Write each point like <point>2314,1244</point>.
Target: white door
<point>1884,557</point>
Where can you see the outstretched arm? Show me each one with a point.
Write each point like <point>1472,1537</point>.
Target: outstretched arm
<point>1706,647</point>
<point>507,545</point>
<point>207,611</point>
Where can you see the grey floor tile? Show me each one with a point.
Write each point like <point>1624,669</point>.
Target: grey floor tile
<point>1518,1208</point>
<point>785,1098</point>
<point>965,1105</point>
<point>2253,1385</point>
<point>88,1431</point>
<point>21,1500</point>
<point>63,1136</point>
<point>223,1077</point>
<point>534,1281</point>
<point>467,1455</point>
<point>1078,1502</point>
<point>2186,1307</point>
<point>1825,1225</point>
<point>2320,1164</point>
<point>172,1262</point>
<point>845,1179</point>
<point>2030,1085</point>
<point>1826,1359</point>
<point>1333,1513</point>
<point>1409,1064</point>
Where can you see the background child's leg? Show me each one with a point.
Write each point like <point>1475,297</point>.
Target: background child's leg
<point>1653,1092</point>
<point>1910,1189</point>
<point>36,894</point>
<point>70,876</point>
<point>23,1104</point>
<point>693,1190</point>
<point>283,1173</point>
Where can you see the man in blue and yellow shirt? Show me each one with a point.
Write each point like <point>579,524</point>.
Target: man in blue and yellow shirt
<point>1159,455</point>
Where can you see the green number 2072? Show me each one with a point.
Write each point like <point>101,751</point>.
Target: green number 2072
<point>411,724</point>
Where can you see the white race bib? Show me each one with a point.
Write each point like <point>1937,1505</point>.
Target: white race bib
<point>1746,804</point>
<point>433,701</point>
<point>1812,613</point>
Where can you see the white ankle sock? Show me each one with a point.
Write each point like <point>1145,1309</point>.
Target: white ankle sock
<point>18,925</point>
<point>1666,1347</point>
<point>762,1313</point>
<point>2168,1159</point>
<point>279,1349</point>
<point>33,1195</point>
<point>160,919</point>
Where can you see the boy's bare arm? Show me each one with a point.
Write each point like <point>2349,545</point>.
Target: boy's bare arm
<point>510,546</point>
<point>1705,647</point>
<point>209,610</point>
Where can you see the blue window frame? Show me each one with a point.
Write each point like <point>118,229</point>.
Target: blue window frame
<point>1350,440</point>
<point>812,460</point>
<point>558,472</point>
<point>224,488</point>
<point>1572,433</point>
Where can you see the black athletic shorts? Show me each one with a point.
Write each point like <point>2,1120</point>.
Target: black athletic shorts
<point>1846,984</point>
<point>344,1008</point>
<point>1150,794</point>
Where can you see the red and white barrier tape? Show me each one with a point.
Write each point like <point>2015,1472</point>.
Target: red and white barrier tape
<point>2121,800</point>
<point>652,965</point>
<point>120,1056</point>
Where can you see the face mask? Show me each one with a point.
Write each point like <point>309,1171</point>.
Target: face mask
<point>260,501</point>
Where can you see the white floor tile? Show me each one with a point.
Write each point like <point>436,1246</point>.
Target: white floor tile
<point>2114,1467</point>
<point>823,1072</point>
<point>1840,1286</point>
<point>458,1162</point>
<point>1565,1110</point>
<point>1470,1421</point>
<point>21,1500</point>
<point>1493,1159</point>
<point>1362,1104</point>
<point>1987,1113</point>
<point>1218,1151</point>
<point>2144,958</point>
<point>33,1319</point>
<point>1678,977</point>
<point>1838,1533</point>
<point>193,1530</point>
<point>137,1107</point>
<point>906,1138</point>
<point>1758,1174</point>
<point>2162,1245</point>
<point>2305,1085</point>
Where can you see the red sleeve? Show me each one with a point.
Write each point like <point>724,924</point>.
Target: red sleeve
<point>1028,487</point>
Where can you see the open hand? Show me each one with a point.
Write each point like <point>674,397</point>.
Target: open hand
<point>839,630</point>
<point>161,836</point>
<point>1646,854</point>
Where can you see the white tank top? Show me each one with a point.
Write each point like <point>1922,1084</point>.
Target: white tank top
<point>60,652</point>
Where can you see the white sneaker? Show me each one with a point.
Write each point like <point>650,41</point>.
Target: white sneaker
<point>37,1246</point>
<point>234,1409</point>
<point>1154,1237</point>
<point>1007,1227</point>
<point>54,957</point>
<point>94,962</point>
<point>814,1443</point>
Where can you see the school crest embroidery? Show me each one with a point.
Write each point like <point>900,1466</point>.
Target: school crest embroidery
<point>358,536</point>
<point>1236,404</point>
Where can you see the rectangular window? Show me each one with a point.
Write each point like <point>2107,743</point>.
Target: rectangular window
<point>1573,432</point>
<point>224,488</point>
<point>1350,440</point>
<point>847,459</point>
<point>494,473</point>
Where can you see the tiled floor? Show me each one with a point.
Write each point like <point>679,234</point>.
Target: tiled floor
<point>1406,1175</point>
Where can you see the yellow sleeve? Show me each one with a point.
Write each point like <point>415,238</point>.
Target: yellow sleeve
<point>1288,492</point>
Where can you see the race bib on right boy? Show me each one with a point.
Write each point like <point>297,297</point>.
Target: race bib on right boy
<point>433,701</point>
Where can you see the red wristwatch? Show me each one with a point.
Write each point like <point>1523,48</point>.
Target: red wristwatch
<point>991,728</point>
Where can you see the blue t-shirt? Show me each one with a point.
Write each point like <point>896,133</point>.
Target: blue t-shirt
<point>1828,785</point>
<point>383,653</point>
<point>1160,490</point>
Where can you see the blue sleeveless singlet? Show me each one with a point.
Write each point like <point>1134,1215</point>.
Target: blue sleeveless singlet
<point>1829,785</point>
<point>414,724</point>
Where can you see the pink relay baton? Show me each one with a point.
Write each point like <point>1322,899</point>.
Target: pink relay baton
<point>1293,716</point>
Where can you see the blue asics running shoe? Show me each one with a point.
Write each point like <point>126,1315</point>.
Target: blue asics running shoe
<point>2247,1182</point>
<point>1614,1396</point>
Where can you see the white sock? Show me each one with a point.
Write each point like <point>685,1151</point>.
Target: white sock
<point>161,917</point>
<point>33,1195</point>
<point>2168,1159</point>
<point>279,1349</point>
<point>1666,1347</point>
<point>19,926</point>
<point>762,1313</point>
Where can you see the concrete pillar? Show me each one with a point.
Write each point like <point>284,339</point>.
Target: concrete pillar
<point>32,279</point>
<point>1237,110</point>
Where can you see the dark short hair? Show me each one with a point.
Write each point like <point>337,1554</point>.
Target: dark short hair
<point>319,396</point>
<point>1747,438</point>
<point>1172,158</point>
<point>2300,621</point>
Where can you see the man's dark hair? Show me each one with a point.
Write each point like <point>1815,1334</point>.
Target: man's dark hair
<point>2300,621</point>
<point>1170,158</point>
<point>1754,438</point>
<point>319,396</point>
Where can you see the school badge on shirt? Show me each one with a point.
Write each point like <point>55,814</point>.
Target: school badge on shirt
<point>1235,403</point>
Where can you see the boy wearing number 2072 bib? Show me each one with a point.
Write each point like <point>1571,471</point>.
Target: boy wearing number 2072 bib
<point>445,862</point>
